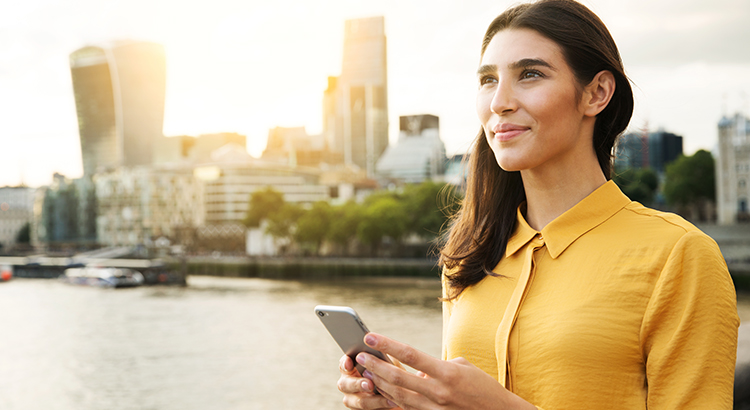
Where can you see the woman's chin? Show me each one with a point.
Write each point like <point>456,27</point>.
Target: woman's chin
<point>510,164</point>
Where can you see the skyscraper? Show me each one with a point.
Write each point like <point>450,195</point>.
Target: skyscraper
<point>653,150</point>
<point>355,118</point>
<point>663,148</point>
<point>119,92</point>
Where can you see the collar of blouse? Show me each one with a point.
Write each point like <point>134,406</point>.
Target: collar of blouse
<point>592,211</point>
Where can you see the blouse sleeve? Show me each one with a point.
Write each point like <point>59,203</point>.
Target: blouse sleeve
<point>689,330</point>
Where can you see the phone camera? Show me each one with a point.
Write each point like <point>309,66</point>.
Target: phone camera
<point>321,314</point>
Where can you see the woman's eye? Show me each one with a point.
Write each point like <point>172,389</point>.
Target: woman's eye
<point>486,80</point>
<point>531,74</point>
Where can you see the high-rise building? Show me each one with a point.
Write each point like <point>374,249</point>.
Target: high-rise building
<point>419,154</point>
<point>293,147</point>
<point>663,148</point>
<point>652,150</point>
<point>188,150</point>
<point>733,170</point>
<point>355,118</point>
<point>65,213</point>
<point>119,93</point>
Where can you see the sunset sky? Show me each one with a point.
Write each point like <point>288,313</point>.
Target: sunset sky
<point>247,66</point>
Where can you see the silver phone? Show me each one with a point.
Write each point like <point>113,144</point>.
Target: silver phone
<point>348,331</point>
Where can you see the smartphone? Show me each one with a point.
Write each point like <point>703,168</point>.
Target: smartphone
<point>348,331</point>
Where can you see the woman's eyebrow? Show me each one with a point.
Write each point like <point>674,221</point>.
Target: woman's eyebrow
<point>486,69</point>
<point>522,63</point>
<point>529,62</point>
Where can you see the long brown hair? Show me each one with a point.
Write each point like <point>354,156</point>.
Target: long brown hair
<point>480,230</point>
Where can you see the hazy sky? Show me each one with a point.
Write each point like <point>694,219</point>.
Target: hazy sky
<point>247,66</point>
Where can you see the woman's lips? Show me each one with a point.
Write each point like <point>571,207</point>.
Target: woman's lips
<point>506,132</point>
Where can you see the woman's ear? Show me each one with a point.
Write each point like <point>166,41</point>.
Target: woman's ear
<point>597,94</point>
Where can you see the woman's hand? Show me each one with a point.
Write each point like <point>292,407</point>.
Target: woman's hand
<point>359,392</point>
<point>453,384</point>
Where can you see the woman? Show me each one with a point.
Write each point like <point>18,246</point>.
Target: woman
<point>559,292</point>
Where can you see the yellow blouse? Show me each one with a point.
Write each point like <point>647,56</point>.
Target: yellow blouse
<point>612,306</point>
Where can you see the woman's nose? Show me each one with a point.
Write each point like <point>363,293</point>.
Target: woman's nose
<point>503,101</point>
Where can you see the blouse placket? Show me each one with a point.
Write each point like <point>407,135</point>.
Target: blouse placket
<point>511,313</point>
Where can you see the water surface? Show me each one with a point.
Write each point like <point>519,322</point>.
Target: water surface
<point>219,343</point>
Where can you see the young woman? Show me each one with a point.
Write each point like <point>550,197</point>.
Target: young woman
<point>559,292</point>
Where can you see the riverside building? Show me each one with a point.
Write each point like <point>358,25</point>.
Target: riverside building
<point>419,154</point>
<point>233,175</point>
<point>65,213</point>
<point>137,205</point>
<point>16,211</point>
<point>733,170</point>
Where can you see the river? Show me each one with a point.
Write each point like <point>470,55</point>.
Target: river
<point>219,343</point>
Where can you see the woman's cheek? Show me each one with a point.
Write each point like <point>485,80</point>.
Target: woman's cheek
<point>483,108</point>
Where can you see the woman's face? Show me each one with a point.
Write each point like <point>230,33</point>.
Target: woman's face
<point>529,103</point>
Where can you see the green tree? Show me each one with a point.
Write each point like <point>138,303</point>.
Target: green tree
<point>638,184</point>
<point>345,219</point>
<point>383,216</point>
<point>313,225</point>
<point>429,205</point>
<point>263,203</point>
<point>690,182</point>
<point>282,221</point>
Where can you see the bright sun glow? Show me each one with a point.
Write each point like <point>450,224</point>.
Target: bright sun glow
<point>249,66</point>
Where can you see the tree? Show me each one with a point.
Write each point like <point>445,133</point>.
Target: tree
<point>262,204</point>
<point>282,221</point>
<point>429,205</point>
<point>690,182</point>
<point>638,184</point>
<point>313,225</point>
<point>383,216</point>
<point>345,219</point>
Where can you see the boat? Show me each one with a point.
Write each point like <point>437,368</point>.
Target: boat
<point>103,277</point>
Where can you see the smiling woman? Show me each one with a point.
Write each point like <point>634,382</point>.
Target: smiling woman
<point>560,292</point>
<point>525,81</point>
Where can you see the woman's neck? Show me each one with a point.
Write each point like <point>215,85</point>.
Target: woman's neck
<point>553,190</point>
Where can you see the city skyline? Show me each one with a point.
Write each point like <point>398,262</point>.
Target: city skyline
<point>246,68</point>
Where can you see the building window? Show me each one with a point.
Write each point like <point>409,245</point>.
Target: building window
<point>742,183</point>
<point>742,206</point>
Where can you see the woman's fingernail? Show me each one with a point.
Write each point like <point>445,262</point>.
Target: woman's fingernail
<point>392,404</point>
<point>370,340</point>
<point>366,386</point>
<point>367,375</point>
<point>360,359</point>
